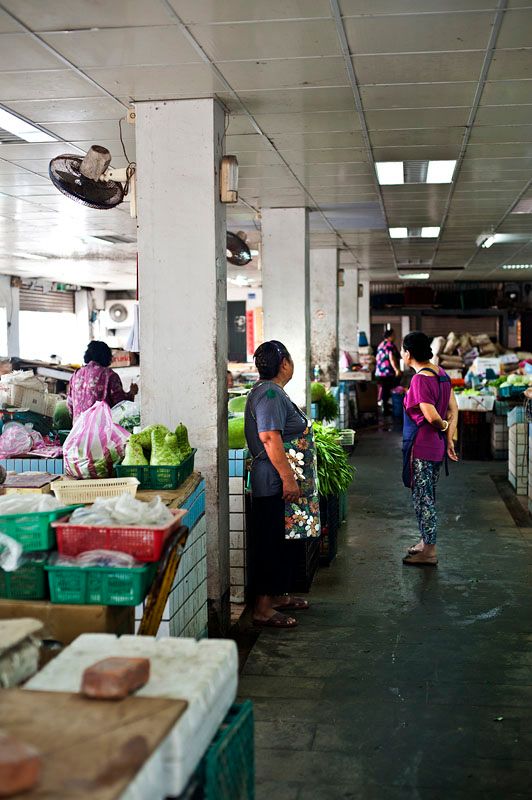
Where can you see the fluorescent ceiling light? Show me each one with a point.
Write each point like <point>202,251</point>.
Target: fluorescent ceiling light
<point>517,266</point>
<point>415,276</point>
<point>524,206</point>
<point>488,241</point>
<point>390,173</point>
<point>396,173</point>
<point>23,129</point>
<point>398,233</point>
<point>430,233</point>
<point>440,171</point>
<point>254,253</point>
<point>240,280</point>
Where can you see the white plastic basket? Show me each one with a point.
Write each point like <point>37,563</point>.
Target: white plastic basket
<point>70,492</point>
<point>347,437</point>
<point>484,402</point>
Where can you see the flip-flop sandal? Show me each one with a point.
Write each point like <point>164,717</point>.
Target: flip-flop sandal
<point>276,621</point>
<point>299,604</point>
<point>409,561</point>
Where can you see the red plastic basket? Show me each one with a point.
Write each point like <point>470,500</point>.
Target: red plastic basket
<point>144,544</point>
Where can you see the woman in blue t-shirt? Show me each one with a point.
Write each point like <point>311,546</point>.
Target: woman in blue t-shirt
<point>272,419</point>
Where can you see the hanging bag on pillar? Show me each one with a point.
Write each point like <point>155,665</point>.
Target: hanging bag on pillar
<point>95,444</point>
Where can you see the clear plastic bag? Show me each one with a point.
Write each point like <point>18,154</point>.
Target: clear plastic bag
<point>10,553</point>
<point>27,503</point>
<point>95,558</point>
<point>123,510</point>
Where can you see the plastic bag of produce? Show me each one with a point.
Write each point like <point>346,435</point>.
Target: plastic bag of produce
<point>16,440</point>
<point>95,444</point>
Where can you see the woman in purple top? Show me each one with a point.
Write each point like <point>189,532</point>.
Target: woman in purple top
<point>430,420</point>
<point>96,381</point>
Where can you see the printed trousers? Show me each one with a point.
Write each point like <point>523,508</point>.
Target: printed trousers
<point>425,478</point>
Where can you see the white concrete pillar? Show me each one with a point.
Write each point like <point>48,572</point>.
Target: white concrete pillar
<point>286,291</point>
<point>82,305</point>
<point>364,310</point>
<point>348,304</point>
<point>183,300</point>
<point>324,312</point>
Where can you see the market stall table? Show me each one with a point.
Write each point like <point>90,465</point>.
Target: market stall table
<point>90,748</point>
<point>204,673</point>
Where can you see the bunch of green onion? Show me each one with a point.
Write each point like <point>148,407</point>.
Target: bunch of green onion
<point>335,474</point>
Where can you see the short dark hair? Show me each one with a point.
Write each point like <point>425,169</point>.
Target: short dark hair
<point>99,352</point>
<point>418,345</point>
<point>389,332</point>
<point>269,357</point>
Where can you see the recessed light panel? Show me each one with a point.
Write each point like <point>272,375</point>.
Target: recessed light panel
<point>23,129</point>
<point>396,173</point>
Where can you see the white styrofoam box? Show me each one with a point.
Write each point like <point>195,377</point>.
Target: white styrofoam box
<point>484,402</point>
<point>204,673</point>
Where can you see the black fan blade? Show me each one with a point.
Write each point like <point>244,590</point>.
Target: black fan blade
<point>64,172</point>
<point>240,253</point>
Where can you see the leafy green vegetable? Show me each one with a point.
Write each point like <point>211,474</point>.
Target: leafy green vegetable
<point>237,439</point>
<point>62,420</point>
<point>183,445</point>
<point>237,405</point>
<point>335,474</point>
<point>164,452</point>
<point>317,392</point>
<point>328,408</point>
<point>134,455</point>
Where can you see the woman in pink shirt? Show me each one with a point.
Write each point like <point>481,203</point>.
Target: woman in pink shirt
<point>430,420</point>
<point>96,381</point>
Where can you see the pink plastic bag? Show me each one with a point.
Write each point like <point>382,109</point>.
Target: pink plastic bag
<point>16,440</point>
<point>95,444</point>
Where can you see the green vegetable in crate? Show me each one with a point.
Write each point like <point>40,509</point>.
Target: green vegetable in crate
<point>183,444</point>
<point>144,437</point>
<point>237,405</point>
<point>237,439</point>
<point>164,452</point>
<point>134,455</point>
<point>62,420</point>
<point>328,408</point>
<point>317,392</point>
<point>334,471</point>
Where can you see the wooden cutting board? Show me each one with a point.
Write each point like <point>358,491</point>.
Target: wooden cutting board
<point>91,748</point>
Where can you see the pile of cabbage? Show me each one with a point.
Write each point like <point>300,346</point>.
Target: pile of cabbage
<point>521,381</point>
<point>157,446</point>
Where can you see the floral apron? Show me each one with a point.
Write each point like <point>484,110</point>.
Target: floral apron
<point>302,519</point>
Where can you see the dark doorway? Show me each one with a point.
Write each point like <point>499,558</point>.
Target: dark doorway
<point>236,329</point>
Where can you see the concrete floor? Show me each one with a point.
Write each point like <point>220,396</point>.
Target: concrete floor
<point>400,682</point>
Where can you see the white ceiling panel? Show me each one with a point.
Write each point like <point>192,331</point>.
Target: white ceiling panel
<point>504,115</point>
<point>418,67</point>
<point>397,7</point>
<point>73,15</point>
<point>516,27</point>
<point>49,84</point>
<point>418,95</point>
<point>283,73</point>
<point>118,47</point>
<point>318,122</point>
<point>422,136</point>
<point>419,33</point>
<point>321,141</point>
<point>292,101</point>
<point>214,11</point>
<point>501,133</point>
<point>159,83</point>
<point>69,109</point>
<point>512,64</point>
<point>18,51</point>
<point>509,92</point>
<point>411,118</point>
<point>300,39</point>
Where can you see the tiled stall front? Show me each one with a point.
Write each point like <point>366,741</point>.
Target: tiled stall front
<point>185,613</point>
<point>518,458</point>
<point>237,524</point>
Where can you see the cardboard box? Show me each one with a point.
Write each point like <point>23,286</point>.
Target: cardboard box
<point>64,623</point>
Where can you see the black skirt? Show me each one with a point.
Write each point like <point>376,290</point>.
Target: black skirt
<point>271,555</point>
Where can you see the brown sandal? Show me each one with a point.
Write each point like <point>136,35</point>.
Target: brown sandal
<point>276,621</point>
<point>297,604</point>
<point>424,561</point>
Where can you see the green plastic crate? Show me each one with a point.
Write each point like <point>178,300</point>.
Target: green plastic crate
<point>159,477</point>
<point>228,766</point>
<point>107,586</point>
<point>33,531</point>
<point>28,582</point>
